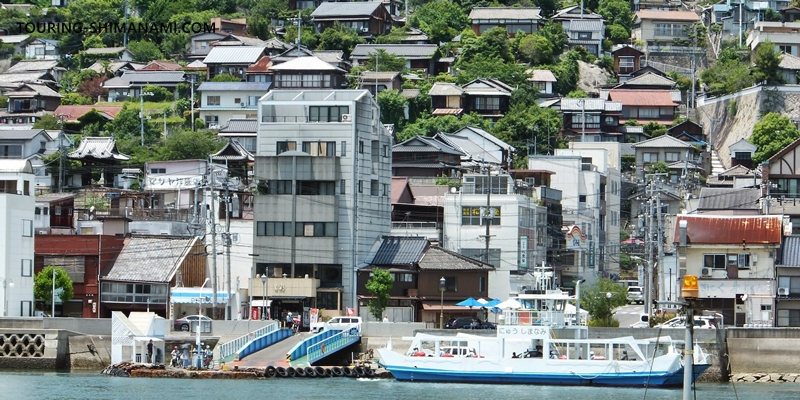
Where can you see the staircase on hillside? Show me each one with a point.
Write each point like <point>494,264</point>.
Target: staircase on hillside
<point>716,164</point>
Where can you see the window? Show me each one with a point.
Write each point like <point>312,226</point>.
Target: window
<point>650,157</point>
<point>320,149</point>
<point>743,260</point>
<point>27,268</point>
<point>279,187</point>
<point>10,151</point>
<point>212,120</point>
<point>317,229</point>
<point>474,215</point>
<point>373,187</point>
<point>237,100</point>
<point>718,261</point>
<point>212,101</point>
<point>385,190</point>
<point>58,210</point>
<point>648,113</point>
<point>450,284</point>
<point>361,147</point>
<point>324,188</point>
<point>27,228</point>
<point>344,146</point>
<point>486,103</point>
<point>584,35</point>
<point>626,62</point>
<point>481,284</point>
<point>158,170</point>
<point>273,228</point>
<point>785,49</point>
<point>542,86</point>
<point>672,156</point>
<point>341,186</point>
<point>360,186</point>
<point>386,152</point>
<point>327,113</point>
<point>286,146</point>
<point>592,120</point>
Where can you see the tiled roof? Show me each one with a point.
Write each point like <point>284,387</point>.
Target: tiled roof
<point>234,55</point>
<point>642,98</point>
<point>439,259</point>
<point>790,62</point>
<point>105,50</point>
<point>305,64</point>
<point>626,149</point>
<point>161,65</point>
<point>410,93</point>
<point>472,151</point>
<point>334,57</point>
<point>738,170</point>
<point>423,144</point>
<point>729,199</point>
<point>275,43</point>
<point>585,25</point>
<point>51,197</point>
<point>447,111</point>
<point>153,77</point>
<point>114,66</point>
<point>649,79</point>
<point>196,64</point>
<point>234,87</point>
<point>731,230</point>
<point>667,15</point>
<point>14,39</point>
<point>541,75</point>
<point>583,104</point>
<point>239,40</point>
<point>368,76</point>
<point>348,9</point>
<point>22,77</point>
<point>19,134</point>
<point>33,65</point>
<point>407,51</point>
<point>101,148</point>
<point>517,13</point>
<point>487,85</point>
<point>240,125</point>
<point>233,151</point>
<point>261,66</point>
<point>791,251</point>
<point>395,250</point>
<point>663,141</point>
<point>32,89</point>
<point>445,89</point>
<point>151,259</point>
<point>572,12</point>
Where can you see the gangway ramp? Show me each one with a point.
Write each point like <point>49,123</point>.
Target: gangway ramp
<point>324,344</point>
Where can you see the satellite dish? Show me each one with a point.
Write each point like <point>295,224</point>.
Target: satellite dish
<point>744,297</point>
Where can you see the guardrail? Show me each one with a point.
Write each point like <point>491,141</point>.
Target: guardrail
<point>332,344</point>
<point>230,348</point>
<point>262,342</point>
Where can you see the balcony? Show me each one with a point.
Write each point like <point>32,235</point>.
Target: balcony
<point>144,214</point>
<point>287,287</point>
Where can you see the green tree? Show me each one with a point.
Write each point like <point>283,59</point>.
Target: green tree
<point>554,33</point>
<point>127,126</point>
<point>188,145</point>
<point>658,167</point>
<point>577,94</point>
<point>225,78</point>
<point>75,99</point>
<point>144,51</point>
<point>508,73</point>
<point>43,285</point>
<point>441,20</point>
<point>491,44</point>
<point>386,61</point>
<point>617,33</point>
<point>339,37</point>
<point>771,135</point>
<point>548,7</point>
<point>616,12</point>
<point>379,287</point>
<point>595,300</point>
<point>393,106</point>
<point>48,122</point>
<point>159,94</point>
<point>654,129</point>
<point>536,50</point>
<point>727,76</point>
<point>527,124</point>
<point>767,60</point>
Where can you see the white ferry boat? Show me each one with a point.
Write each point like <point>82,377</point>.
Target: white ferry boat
<point>538,344</point>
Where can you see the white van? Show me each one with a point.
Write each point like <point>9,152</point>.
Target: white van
<point>337,323</point>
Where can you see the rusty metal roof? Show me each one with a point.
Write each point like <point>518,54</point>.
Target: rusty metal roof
<point>724,229</point>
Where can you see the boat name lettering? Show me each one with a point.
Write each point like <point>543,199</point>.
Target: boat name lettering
<point>523,331</point>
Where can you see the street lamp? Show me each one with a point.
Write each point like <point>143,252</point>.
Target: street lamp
<point>141,112</point>
<point>252,273</point>
<point>7,283</point>
<point>442,283</point>
<point>266,304</point>
<point>608,296</point>
<point>53,293</point>
<point>198,361</point>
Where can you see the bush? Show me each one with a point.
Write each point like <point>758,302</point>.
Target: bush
<point>160,94</point>
<point>607,63</point>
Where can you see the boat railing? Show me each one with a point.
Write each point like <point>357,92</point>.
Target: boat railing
<point>524,317</point>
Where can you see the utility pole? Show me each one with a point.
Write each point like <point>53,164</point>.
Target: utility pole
<point>649,243</point>
<point>213,219</point>
<point>61,155</point>
<point>228,310</point>
<point>583,114</point>
<point>488,216</point>
<point>191,98</point>
<point>660,244</point>
<point>125,23</point>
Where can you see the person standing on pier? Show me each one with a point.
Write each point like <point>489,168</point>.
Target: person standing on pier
<point>150,351</point>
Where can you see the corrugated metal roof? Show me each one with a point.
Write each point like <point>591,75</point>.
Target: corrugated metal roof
<point>396,250</point>
<point>613,106</point>
<point>423,144</point>
<point>472,151</point>
<point>305,64</point>
<point>142,77</point>
<point>585,25</point>
<point>583,104</point>
<point>663,141</point>
<point>729,199</point>
<point>437,258</point>
<point>14,39</point>
<point>368,76</point>
<point>234,55</point>
<point>513,13</point>
<point>349,9</point>
<point>51,197</point>
<point>649,79</point>
<point>791,251</point>
<point>241,125</point>
<point>151,259</point>
<point>21,134</point>
<point>572,12</point>
<point>410,93</point>
<point>234,87</point>
<point>717,229</point>
<point>584,42</point>
<point>407,51</point>
<point>105,50</point>
<point>445,89</point>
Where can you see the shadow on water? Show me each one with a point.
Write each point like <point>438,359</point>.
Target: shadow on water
<point>80,385</point>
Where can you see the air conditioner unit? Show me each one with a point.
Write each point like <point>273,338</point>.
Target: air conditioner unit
<point>347,117</point>
<point>364,29</point>
<point>242,104</point>
<point>706,272</point>
<point>783,291</point>
<point>45,233</point>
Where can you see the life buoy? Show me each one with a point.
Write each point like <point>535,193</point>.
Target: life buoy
<point>322,347</point>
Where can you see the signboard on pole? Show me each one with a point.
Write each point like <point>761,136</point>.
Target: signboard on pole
<point>523,252</point>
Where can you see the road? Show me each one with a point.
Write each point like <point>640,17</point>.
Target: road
<point>627,315</point>
<point>272,355</point>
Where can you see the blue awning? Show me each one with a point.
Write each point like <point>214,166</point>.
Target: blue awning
<point>193,295</point>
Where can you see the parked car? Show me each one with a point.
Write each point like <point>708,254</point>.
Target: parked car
<point>336,323</point>
<point>469,323</point>
<point>700,322</point>
<point>184,324</point>
<point>635,295</point>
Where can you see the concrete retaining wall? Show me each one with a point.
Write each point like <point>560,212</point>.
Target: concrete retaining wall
<point>89,352</point>
<point>53,355</point>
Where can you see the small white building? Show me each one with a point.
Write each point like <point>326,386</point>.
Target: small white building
<point>222,101</point>
<point>17,203</point>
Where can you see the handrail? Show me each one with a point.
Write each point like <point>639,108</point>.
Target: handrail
<point>331,344</point>
<point>230,348</point>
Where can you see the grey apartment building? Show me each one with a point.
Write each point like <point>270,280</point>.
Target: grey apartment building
<point>323,168</point>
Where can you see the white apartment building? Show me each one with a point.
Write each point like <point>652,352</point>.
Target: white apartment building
<point>590,186</point>
<point>323,172</point>
<point>17,204</point>
<point>222,101</point>
<point>516,229</point>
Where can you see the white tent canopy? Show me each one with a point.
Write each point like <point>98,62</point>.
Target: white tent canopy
<point>569,309</point>
<point>510,303</point>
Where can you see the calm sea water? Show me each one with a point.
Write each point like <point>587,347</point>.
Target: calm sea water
<point>55,385</point>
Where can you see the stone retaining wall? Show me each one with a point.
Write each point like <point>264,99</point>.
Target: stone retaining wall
<point>766,378</point>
